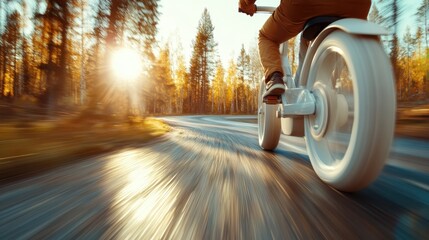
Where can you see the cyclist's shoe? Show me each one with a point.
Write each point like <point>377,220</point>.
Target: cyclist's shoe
<point>275,86</point>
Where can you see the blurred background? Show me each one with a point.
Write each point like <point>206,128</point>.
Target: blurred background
<point>82,78</point>
<point>67,55</point>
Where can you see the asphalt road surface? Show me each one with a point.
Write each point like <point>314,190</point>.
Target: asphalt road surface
<point>208,179</point>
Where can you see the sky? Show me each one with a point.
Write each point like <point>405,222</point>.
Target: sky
<point>179,20</point>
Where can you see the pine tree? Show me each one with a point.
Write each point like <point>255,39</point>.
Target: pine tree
<point>142,19</point>
<point>26,52</point>
<point>76,53</point>
<point>4,8</point>
<point>54,28</point>
<point>11,39</point>
<point>243,70</point>
<point>94,67</point>
<point>131,23</point>
<point>374,15</point>
<point>218,90</point>
<point>256,74</point>
<point>409,48</point>
<point>232,83</point>
<point>39,51</point>
<point>201,64</point>
<point>165,80</point>
<point>423,18</point>
<point>182,82</point>
<point>392,12</point>
<point>1,52</point>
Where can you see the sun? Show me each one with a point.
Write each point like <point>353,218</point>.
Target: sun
<point>126,64</point>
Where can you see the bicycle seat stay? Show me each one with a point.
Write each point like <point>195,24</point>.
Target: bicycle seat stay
<point>315,25</point>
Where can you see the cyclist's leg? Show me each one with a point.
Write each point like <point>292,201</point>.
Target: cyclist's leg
<point>289,19</point>
<point>277,29</point>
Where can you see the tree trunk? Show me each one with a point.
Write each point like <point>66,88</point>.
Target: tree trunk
<point>3,79</point>
<point>82,83</point>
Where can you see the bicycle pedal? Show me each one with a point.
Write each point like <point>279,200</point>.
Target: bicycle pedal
<point>272,100</point>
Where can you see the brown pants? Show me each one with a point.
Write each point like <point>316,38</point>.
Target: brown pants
<point>289,19</point>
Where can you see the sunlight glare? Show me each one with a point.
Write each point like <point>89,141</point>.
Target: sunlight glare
<point>126,64</point>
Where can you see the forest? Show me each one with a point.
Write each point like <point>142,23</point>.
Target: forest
<point>57,54</point>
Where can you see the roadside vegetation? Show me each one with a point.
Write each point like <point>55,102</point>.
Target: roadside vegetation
<point>413,120</point>
<point>63,98</point>
<point>31,143</point>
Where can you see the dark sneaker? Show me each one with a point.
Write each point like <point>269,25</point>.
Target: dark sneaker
<point>275,86</point>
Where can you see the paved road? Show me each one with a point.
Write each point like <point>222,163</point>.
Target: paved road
<point>208,179</point>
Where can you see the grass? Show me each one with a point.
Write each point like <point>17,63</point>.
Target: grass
<point>28,148</point>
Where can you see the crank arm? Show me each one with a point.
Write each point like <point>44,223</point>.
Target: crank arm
<point>297,102</point>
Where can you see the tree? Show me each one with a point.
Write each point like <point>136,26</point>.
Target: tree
<point>94,83</point>
<point>26,52</point>
<point>39,54</point>
<point>413,66</point>
<point>182,84</point>
<point>83,5</point>
<point>201,64</point>
<point>375,15</point>
<point>11,39</point>
<point>231,83</point>
<point>409,49</point>
<point>423,18</point>
<point>54,28</point>
<point>164,81</point>
<point>142,19</point>
<point>218,90</point>
<point>119,23</point>
<point>60,60</point>
<point>243,70</point>
<point>392,12</point>
<point>256,75</point>
<point>3,9</point>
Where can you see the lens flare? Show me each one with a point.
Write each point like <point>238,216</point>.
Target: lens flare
<point>126,64</point>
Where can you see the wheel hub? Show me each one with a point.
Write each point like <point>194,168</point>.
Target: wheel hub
<point>319,121</point>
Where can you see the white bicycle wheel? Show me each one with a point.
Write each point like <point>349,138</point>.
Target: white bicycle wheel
<point>349,137</point>
<point>269,128</point>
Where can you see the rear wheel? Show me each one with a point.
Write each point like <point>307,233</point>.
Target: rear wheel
<point>349,137</point>
<point>268,124</point>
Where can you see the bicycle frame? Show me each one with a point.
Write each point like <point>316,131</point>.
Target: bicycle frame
<point>342,99</point>
<point>297,101</point>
